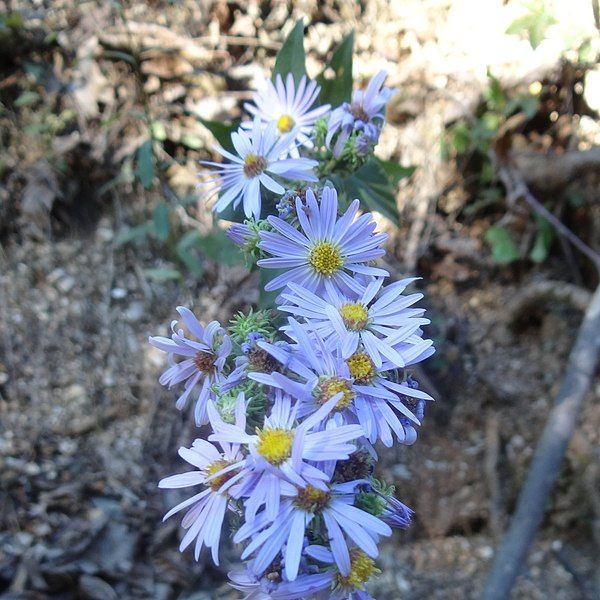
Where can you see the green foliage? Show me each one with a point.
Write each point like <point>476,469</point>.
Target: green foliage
<point>221,131</point>
<point>370,502</point>
<point>145,164</point>
<point>374,184</point>
<point>291,58</point>
<point>337,88</point>
<point>543,241</point>
<point>242,324</point>
<point>162,275</point>
<point>534,22</point>
<point>472,141</point>
<point>160,222</point>
<point>475,136</point>
<point>504,248</point>
<point>267,299</point>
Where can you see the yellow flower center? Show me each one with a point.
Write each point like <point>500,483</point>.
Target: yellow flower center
<point>275,445</point>
<point>219,480</point>
<point>254,165</point>
<point>328,388</point>
<point>361,569</point>
<point>361,367</point>
<point>325,258</point>
<point>311,499</point>
<point>354,315</point>
<point>285,123</point>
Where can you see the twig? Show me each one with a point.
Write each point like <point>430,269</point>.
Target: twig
<point>548,456</point>
<point>492,452</point>
<point>517,189</point>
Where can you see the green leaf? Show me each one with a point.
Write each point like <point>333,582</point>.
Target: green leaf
<point>131,234</point>
<point>460,138</point>
<point>118,55</point>
<point>145,164</point>
<point>291,57</point>
<point>395,172</point>
<point>218,247</point>
<point>185,252</point>
<point>160,221</point>
<point>27,99</point>
<point>267,299</point>
<point>161,275</point>
<point>371,185</point>
<point>221,131</point>
<point>504,248</point>
<point>494,94</point>
<point>337,88</point>
<point>543,241</point>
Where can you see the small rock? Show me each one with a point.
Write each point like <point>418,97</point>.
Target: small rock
<point>118,293</point>
<point>66,284</point>
<point>95,588</point>
<point>135,311</point>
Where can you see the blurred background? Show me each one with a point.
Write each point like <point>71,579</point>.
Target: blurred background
<point>102,234</point>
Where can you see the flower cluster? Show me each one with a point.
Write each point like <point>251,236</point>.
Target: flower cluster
<point>297,398</point>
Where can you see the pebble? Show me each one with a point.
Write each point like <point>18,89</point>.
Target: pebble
<point>135,311</point>
<point>118,293</point>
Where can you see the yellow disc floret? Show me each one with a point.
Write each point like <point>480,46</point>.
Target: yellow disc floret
<point>325,258</point>
<point>331,386</point>
<point>275,445</point>
<point>354,315</point>
<point>285,123</point>
<point>254,165</point>
<point>219,480</point>
<point>311,499</point>
<point>361,367</point>
<point>362,568</point>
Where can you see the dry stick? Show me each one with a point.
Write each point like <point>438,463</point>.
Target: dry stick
<point>517,189</point>
<point>549,453</point>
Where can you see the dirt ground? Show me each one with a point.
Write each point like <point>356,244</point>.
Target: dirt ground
<point>86,431</point>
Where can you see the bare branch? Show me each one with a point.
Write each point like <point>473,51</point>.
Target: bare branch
<point>516,189</point>
<point>550,451</point>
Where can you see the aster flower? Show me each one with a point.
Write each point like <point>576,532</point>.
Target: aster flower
<point>203,359</point>
<point>283,453</point>
<point>259,154</point>
<point>274,585</point>
<point>217,470</point>
<point>341,520</point>
<point>379,319</point>
<point>365,113</point>
<point>349,586</point>
<point>289,108</point>
<point>327,250</point>
<point>368,395</point>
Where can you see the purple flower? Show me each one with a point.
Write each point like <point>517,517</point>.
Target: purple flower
<point>379,318</point>
<point>364,113</point>
<point>350,586</point>
<point>218,471</point>
<point>395,513</point>
<point>259,153</point>
<point>274,585</point>
<point>240,234</point>
<point>327,250</point>
<point>283,453</point>
<point>341,521</point>
<point>367,393</point>
<point>203,360</point>
<point>289,108</point>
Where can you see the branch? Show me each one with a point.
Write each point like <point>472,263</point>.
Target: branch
<point>516,189</point>
<point>551,448</point>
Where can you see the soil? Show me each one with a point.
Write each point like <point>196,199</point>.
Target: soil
<point>85,429</point>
